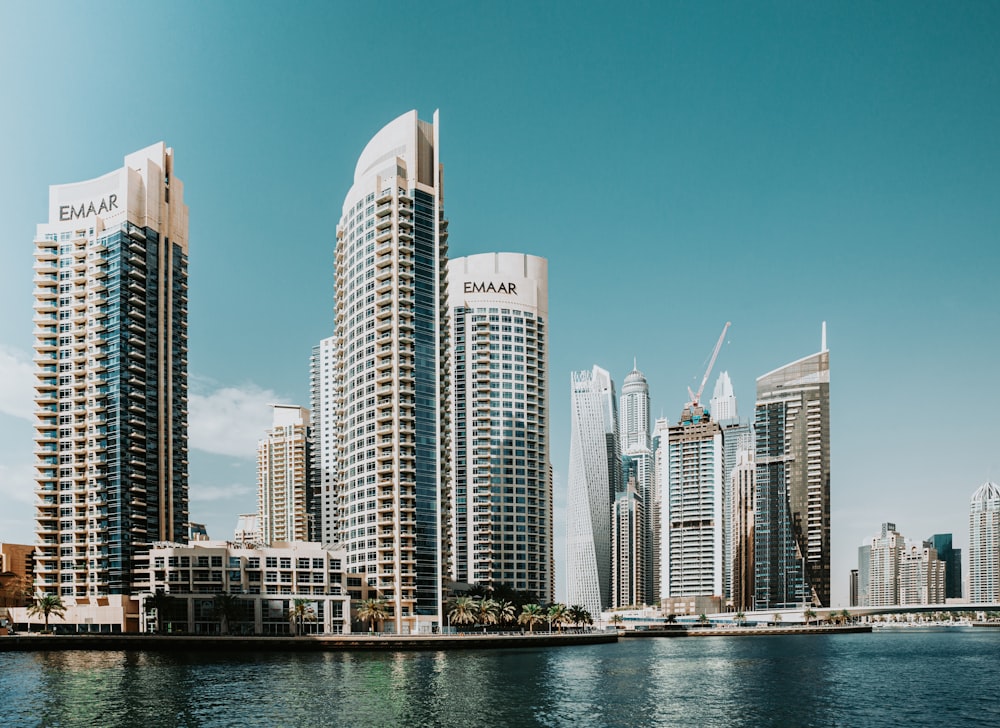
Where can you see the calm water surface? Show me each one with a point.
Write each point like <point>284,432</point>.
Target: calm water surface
<point>898,678</point>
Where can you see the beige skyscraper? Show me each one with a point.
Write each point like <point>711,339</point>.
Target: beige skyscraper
<point>111,376</point>
<point>283,461</point>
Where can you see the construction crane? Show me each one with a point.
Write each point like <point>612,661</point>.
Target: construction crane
<point>696,398</point>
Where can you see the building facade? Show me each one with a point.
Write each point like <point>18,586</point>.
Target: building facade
<point>593,481</point>
<point>984,545</point>
<point>110,331</point>
<point>792,502</point>
<point>741,548</point>
<point>638,465</point>
<point>392,372</point>
<point>628,549</point>
<point>691,532</point>
<point>266,581</point>
<point>885,556</point>
<point>952,557</point>
<point>501,476</point>
<point>284,483</point>
<point>326,434</point>
<point>922,575</point>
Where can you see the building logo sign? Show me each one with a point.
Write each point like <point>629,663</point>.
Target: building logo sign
<point>85,209</point>
<point>491,287</point>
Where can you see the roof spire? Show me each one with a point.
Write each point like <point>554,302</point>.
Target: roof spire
<point>823,342</point>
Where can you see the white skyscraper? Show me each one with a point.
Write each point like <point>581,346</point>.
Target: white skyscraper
<point>984,545</point>
<point>392,372</point>
<point>501,476</point>
<point>723,402</point>
<point>637,459</point>
<point>594,475</point>
<point>325,436</point>
<point>691,533</point>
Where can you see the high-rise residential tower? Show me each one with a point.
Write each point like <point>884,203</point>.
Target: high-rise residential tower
<point>952,558</point>
<point>594,479</point>
<point>325,437</point>
<point>501,476</point>
<point>984,545</point>
<point>792,503</point>
<point>284,483</point>
<point>392,372</point>
<point>691,532</point>
<point>111,375</point>
<point>637,460</point>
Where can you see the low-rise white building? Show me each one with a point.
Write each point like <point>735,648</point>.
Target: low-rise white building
<point>267,583</point>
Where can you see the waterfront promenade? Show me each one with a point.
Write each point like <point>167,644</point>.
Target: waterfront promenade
<point>308,643</point>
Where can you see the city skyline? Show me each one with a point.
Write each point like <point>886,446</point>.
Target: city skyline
<point>850,178</point>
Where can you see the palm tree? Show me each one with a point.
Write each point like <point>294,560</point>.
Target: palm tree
<point>578,615</point>
<point>506,612</point>
<point>46,605</point>
<point>372,611</point>
<point>740,618</point>
<point>531,614</point>
<point>301,611</point>
<point>227,608</point>
<point>776,617</point>
<point>845,615</point>
<point>809,615</point>
<point>703,619</point>
<point>462,610</point>
<point>485,612</point>
<point>617,619</point>
<point>557,615</point>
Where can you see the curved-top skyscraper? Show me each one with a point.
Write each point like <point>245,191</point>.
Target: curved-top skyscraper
<point>984,545</point>
<point>392,372</point>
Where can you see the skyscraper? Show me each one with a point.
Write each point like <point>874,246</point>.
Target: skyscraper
<point>392,372</point>
<point>741,547</point>
<point>885,554</point>
<point>594,479</point>
<point>984,545</point>
<point>952,558</point>
<point>501,476</point>
<point>326,434</point>
<point>637,460</point>
<point>628,549</point>
<point>792,503</point>
<point>691,532</point>
<point>284,492</point>
<point>111,375</point>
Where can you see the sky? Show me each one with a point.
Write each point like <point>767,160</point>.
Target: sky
<point>680,165</point>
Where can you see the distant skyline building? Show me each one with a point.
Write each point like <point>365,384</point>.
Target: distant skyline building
<point>501,475</point>
<point>593,481</point>
<point>628,550</point>
<point>111,319</point>
<point>984,545</point>
<point>723,402</point>
<point>284,494</point>
<point>952,557</point>
<point>741,532</point>
<point>792,503</point>
<point>885,555</point>
<point>637,462</point>
<point>391,381</point>
<point>661,433</point>
<point>921,575</point>
<point>691,531</point>
<point>326,438</point>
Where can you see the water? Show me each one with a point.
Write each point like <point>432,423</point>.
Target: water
<point>893,678</point>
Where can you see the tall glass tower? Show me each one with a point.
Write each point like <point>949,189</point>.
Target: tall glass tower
<point>594,479</point>
<point>392,372</point>
<point>637,460</point>
<point>111,375</point>
<point>501,475</point>
<point>792,501</point>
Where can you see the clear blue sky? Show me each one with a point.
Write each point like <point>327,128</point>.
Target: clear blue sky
<point>679,164</point>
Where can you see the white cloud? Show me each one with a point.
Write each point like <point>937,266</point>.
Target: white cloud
<point>230,420</point>
<point>218,492</point>
<point>17,380</point>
